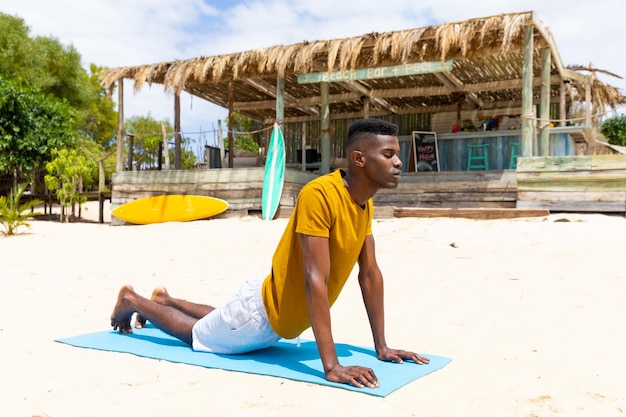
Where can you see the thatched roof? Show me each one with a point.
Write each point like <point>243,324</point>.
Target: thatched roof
<point>487,56</point>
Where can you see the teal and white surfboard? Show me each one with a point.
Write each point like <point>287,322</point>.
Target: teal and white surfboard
<point>274,175</point>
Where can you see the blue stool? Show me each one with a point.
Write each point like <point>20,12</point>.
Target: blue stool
<point>515,148</point>
<point>478,157</point>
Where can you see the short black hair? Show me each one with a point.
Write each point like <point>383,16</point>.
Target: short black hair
<point>368,128</point>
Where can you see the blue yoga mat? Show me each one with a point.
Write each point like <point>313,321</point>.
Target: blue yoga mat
<point>285,359</point>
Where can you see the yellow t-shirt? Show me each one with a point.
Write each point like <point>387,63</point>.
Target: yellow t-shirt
<point>325,209</point>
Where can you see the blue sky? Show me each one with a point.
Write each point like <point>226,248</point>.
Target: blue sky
<point>132,32</point>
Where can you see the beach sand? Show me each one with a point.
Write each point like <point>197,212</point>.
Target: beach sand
<point>530,310</point>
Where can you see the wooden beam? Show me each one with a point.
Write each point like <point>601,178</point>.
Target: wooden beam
<point>588,103</point>
<point>358,87</point>
<point>397,92</point>
<point>511,107</point>
<point>447,77</point>
<point>465,88</point>
<point>307,101</point>
<point>333,116</point>
<point>562,104</point>
<point>325,129</point>
<point>527,94</point>
<point>177,138</point>
<point>569,74</point>
<point>166,148</point>
<point>470,213</point>
<point>229,130</point>
<point>544,108</point>
<point>211,99</point>
<point>447,82</point>
<point>280,99</point>
<point>290,101</point>
<point>566,73</point>
<point>119,157</point>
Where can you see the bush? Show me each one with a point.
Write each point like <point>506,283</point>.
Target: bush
<point>13,213</point>
<point>614,129</point>
<point>246,142</point>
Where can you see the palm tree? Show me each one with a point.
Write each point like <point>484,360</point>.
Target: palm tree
<point>14,213</point>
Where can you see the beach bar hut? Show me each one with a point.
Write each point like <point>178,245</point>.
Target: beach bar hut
<point>470,97</point>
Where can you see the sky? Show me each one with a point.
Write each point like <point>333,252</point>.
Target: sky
<point>118,33</point>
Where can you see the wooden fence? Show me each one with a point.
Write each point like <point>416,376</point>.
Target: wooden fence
<point>241,187</point>
<point>460,189</point>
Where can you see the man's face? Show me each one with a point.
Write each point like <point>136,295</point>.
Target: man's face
<point>381,161</point>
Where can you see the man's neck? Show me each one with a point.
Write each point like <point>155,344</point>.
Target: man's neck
<point>358,189</point>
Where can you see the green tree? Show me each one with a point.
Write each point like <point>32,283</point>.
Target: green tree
<point>147,134</point>
<point>31,127</point>
<point>614,129</point>
<point>97,120</point>
<point>66,174</point>
<point>244,138</point>
<point>42,63</point>
<point>188,158</point>
<point>46,68</point>
<point>17,61</point>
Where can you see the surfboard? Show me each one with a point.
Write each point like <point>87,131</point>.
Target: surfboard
<point>169,208</point>
<point>274,175</point>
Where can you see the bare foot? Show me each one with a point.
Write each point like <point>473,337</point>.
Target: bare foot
<point>159,295</point>
<point>123,311</point>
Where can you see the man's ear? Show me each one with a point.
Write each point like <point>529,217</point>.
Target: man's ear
<point>357,157</point>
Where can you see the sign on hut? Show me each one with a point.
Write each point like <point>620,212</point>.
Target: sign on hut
<point>425,153</point>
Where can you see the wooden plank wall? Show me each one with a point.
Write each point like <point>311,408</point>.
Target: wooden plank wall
<point>240,187</point>
<point>465,189</point>
<point>595,183</point>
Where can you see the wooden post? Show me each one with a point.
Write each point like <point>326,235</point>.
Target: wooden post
<point>177,139</point>
<point>280,100</point>
<point>544,118</point>
<point>527,93</point>
<point>588,106</point>
<point>563,104</point>
<point>220,141</point>
<point>325,127</point>
<point>535,135</point>
<point>366,108</point>
<point>131,144</point>
<point>230,125</point>
<point>160,157</point>
<point>101,175</point>
<point>303,146</point>
<point>119,162</point>
<point>166,147</point>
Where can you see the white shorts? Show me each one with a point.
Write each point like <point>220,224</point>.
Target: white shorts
<point>241,325</point>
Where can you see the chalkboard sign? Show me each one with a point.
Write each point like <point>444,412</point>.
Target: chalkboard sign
<point>425,153</point>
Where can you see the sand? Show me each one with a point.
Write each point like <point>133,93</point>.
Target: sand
<point>530,310</point>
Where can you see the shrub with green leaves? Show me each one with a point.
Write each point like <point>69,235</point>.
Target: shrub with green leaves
<point>614,129</point>
<point>64,174</point>
<point>246,142</point>
<point>14,213</point>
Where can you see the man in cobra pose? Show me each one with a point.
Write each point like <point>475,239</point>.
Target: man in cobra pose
<point>328,233</point>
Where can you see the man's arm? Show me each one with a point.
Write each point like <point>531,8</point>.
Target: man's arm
<point>316,255</point>
<point>372,288</point>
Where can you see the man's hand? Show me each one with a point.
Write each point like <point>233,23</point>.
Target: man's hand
<point>357,376</point>
<point>399,356</point>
